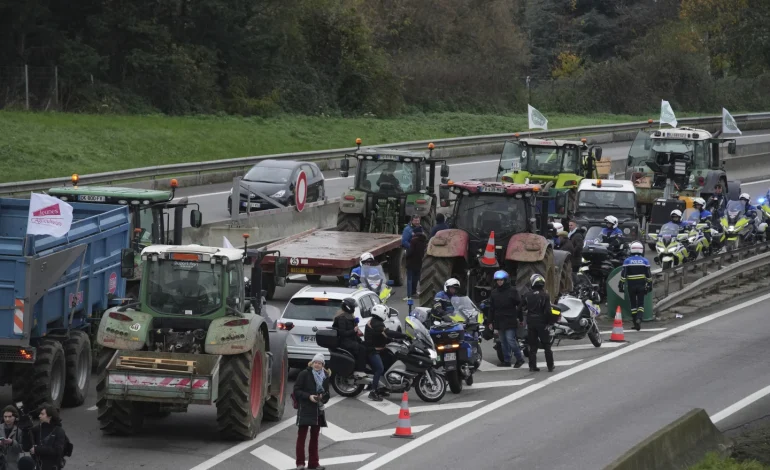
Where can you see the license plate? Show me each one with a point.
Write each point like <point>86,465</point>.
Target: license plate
<point>492,190</point>
<point>302,270</point>
<point>308,339</point>
<point>86,198</point>
<point>256,205</point>
<point>450,356</point>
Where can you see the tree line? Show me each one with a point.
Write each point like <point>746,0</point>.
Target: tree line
<point>385,57</point>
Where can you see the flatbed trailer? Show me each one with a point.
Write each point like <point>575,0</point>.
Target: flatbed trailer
<point>318,252</point>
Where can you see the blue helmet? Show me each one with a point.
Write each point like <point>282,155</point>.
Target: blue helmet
<point>501,275</point>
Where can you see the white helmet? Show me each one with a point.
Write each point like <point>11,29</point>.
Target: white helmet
<point>637,248</point>
<point>699,200</point>
<point>676,213</point>
<point>558,227</point>
<point>380,311</point>
<point>452,282</point>
<point>745,196</point>
<point>367,257</point>
<point>611,219</point>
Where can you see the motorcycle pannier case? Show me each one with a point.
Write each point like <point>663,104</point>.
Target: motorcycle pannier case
<point>327,339</point>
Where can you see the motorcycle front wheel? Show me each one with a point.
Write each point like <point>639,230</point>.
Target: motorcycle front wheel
<point>345,386</point>
<point>455,381</point>
<point>428,393</point>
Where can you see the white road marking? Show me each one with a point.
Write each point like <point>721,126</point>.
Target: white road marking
<point>502,383</point>
<point>93,408</point>
<point>489,367</point>
<point>577,347</point>
<point>237,449</point>
<point>735,407</point>
<point>453,426</point>
<point>644,330</point>
<point>336,433</point>
<point>389,408</point>
<point>282,461</point>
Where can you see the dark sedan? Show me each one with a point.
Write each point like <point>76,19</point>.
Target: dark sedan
<point>275,179</point>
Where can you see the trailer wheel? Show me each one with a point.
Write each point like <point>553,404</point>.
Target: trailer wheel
<point>77,355</point>
<point>117,417</point>
<point>563,263</point>
<point>435,271</point>
<point>545,268</point>
<point>276,401</point>
<point>397,266</point>
<point>348,222</point>
<point>48,376</point>
<point>242,393</point>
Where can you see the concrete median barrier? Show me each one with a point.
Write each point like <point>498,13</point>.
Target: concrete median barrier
<point>682,443</point>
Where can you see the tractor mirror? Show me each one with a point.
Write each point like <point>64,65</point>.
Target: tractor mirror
<point>127,263</point>
<point>445,170</point>
<point>731,148</point>
<point>196,218</point>
<point>344,167</point>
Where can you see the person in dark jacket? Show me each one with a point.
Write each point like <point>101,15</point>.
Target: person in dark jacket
<point>636,275</point>
<point>505,314</point>
<point>565,244</point>
<point>311,391</point>
<point>347,331</point>
<point>376,337</point>
<point>11,441</point>
<point>45,442</point>
<point>537,304</point>
<point>440,225</point>
<point>576,236</point>
<point>414,255</point>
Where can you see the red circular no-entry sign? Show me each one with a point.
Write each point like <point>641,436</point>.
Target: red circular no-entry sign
<point>300,191</point>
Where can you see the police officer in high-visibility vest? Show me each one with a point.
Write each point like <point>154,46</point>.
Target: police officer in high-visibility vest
<point>637,276</point>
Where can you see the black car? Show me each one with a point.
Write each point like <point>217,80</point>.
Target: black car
<point>275,179</point>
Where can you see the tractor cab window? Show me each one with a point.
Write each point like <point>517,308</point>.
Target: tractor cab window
<point>145,223</point>
<point>701,154</point>
<point>570,160</point>
<point>479,215</point>
<point>235,278</point>
<point>184,287</point>
<point>511,158</point>
<point>548,160</point>
<point>388,176</point>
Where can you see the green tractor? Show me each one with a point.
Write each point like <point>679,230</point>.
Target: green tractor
<point>199,334</point>
<point>150,216</point>
<point>557,165</point>
<point>390,187</point>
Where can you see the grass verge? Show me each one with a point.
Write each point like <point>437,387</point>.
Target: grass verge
<point>713,462</point>
<point>46,145</point>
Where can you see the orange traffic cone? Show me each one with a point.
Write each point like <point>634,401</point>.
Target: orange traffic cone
<point>489,259</point>
<point>617,328</point>
<point>404,426</point>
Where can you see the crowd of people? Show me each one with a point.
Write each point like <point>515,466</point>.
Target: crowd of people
<point>46,442</point>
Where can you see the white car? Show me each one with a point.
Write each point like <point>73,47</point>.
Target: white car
<point>313,308</point>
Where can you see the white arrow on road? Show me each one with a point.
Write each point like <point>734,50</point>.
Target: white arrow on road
<point>392,409</point>
<point>282,461</point>
<point>502,383</point>
<point>338,434</point>
<point>643,330</point>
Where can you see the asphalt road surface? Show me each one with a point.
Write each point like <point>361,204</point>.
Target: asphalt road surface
<point>598,403</point>
<point>213,198</point>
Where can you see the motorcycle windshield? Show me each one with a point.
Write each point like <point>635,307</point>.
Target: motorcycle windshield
<point>417,332</point>
<point>465,307</point>
<point>669,230</point>
<point>691,216</point>
<point>735,210</point>
<point>373,277</point>
<point>593,235</point>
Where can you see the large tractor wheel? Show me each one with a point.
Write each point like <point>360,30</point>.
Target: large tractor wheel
<point>279,372</point>
<point>397,266</point>
<point>118,417</point>
<point>242,393</point>
<point>348,222</point>
<point>563,262</point>
<point>48,376</point>
<point>428,221</point>
<point>434,273</point>
<point>545,268</point>
<point>77,355</point>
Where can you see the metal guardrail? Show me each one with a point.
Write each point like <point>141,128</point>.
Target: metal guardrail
<point>234,164</point>
<point>729,264</point>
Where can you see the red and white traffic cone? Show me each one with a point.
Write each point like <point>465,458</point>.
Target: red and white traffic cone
<point>618,335</point>
<point>489,260</point>
<point>404,426</point>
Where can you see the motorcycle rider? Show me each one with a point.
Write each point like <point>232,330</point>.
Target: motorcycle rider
<point>611,234</point>
<point>637,277</point>
<point>348,332</point>
<point>505,314</point>
<point>367,259</point>
<point>537,305</point>
<point>706,217</point>
<point>717,201</point>
<point>442,302</point>
<point>751,210</point>
<point>376,337</point>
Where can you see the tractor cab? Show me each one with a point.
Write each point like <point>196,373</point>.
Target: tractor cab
<point>390,187</point>
<point>561,162</point>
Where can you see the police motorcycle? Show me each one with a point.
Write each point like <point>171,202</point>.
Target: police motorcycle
<point>739,228</point>
<point>408,363</point>
<point>600,259</point>
<point>696,242</point>
<point>458,340</point>
<point>669,245</point>
<point>577,320</point>
<point>763,206</point>
<point>373,278</point>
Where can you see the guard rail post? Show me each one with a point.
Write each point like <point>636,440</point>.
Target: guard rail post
<point>235,200</point>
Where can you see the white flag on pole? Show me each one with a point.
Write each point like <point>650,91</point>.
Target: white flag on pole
<point>729,126</point>
<point>667,114</point>
<point>226,243</point>
<point>536,119</point>
<point>48,216</point>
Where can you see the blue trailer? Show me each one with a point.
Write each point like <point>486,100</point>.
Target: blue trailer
<point>50,289</point>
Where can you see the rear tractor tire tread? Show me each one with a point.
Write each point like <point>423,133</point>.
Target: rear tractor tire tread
<point>435,271</point>
<point>116,417</point>
<point>276,403</point>
<point>348,222</point>
<point>78,344</point>
<point>50,356</point>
